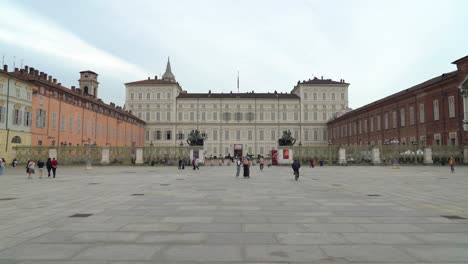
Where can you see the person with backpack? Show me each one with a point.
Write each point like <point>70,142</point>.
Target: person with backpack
<point>452,164</point>
<point>30,166</point>
<point>262,163</point>
<point>295,166</point>
<point>48,166</point>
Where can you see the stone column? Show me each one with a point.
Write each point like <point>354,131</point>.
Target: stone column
<point>428,156</point>
<point>465,155</point>
<point>53,153</point>
<point>342,156</point>
<point>376,156</point>
<point>139,156</point>
<point>105,155</point>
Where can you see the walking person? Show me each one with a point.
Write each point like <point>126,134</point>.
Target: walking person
<point>311,163</point>
<point>193,164</point>
<point>40,167</point>
<point>48,166</point>
<point>180,163</point>
<point>197,163</point>
<point>452,164</point>
<point>2,166</point>
<point>262,163</point>
<point>246,165</point>
<point>295,166</point>
<point>238,165</point>
<point>54,165</point>
<point>31,165</point>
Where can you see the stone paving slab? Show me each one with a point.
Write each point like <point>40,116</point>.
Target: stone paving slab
<point>210,217</point>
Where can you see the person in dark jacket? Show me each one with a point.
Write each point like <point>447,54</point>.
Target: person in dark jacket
<point>49,166</point>
<point>295,166</point>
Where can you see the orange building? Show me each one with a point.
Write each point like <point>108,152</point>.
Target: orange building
<point>76,116</point>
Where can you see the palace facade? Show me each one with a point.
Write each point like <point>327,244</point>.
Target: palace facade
<point>64,116</point>
<point>429,113</point>
<point>235,123</point>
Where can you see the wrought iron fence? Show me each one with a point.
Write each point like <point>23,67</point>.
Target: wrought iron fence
<point>23,154</point>
<point>325,154</point>
<point>441,154</point>
<point>404,154</point>
<point>358,154</point>
<point>165,155</point>
<point>73,155</point>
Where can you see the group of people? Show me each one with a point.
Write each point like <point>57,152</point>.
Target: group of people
<point>51,165</point>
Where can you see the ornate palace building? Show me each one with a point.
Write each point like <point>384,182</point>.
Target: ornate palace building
<point>235,123</point>
<point>429,113</point>
<point>64,116</point>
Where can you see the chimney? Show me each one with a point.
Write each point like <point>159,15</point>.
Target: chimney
<point>26,68</point>
<point>36,72</point>
<point>5,67</point>
<point>322,77</point>
<point>73,88</point>
<point>31,70</point>
<point>59,84</point>
<point>21,71</point>
<point>41,74</point>
<point>155,77</point>
<point>149,78</point>
<point>54,80</point>
<point>45,76</point>
<point>16,69</point>
<point>50,78</point>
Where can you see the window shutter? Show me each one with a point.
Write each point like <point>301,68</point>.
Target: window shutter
<point>25,118</point>
<point>20,117</point>
<point>43,118</point>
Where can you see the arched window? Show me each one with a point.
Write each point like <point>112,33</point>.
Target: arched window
<point>85,90</point>
<point>16,139</point>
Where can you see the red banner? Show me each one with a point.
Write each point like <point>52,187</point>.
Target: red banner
<point>274,157</point>
<point>285,153</point>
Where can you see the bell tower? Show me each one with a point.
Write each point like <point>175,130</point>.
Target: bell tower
<point>88,83</point>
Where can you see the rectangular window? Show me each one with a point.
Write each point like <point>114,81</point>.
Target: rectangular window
<point>168,135</point>
<point>333,96</point>
<point>315,135</point>
<point>226,135</point>
<point>85,127</point>
<point>365,126</point>
<point>2,114</point>
<point>315,96</point>
<point>249,135</point>
<point>180,116</point>
<point>262,134</point>
<point>411,115</point>
<point>360,127</point>
<point>148,96</point>
<point>54,120</point>
<point>215,135</point>
<point>273,136</point>
<point>421,113</point>
<point>1,88</point>
<point>192,116</point>
<point>168,116</point>
<point>284,116</point>
<point>158,96</point>
<point>18,93</point>
<point>379,123</point>
<point>215,116</point>
<point>28,96</point>
<point>305,96</point>
<point>394,119</point>
<point>402,117</point>
<point>306,116</point>
<point>372,124</point>
<point>296,116</point>
<point>147,135</point>
<point>324,96</point>
<point>315,116</point>
<point>168,95</point>
<point>70,124</point>
<point>306,135</point>
<point>62,123</point>
<point>93,127</point>
<point>451,100</point>
<point>261,116</point>
<point>78,126</point>
<point>132,96</point>
<point>436,109</point>
<point>203,116</point>
<point>238,134</point>
<point>272,116</point>
<point>324,116</point>
<point>41,118</point>
<point>27,118</point>
<point>158,116</point>
<point>342,96</point>
<point>140,96</point>
<point>386,120</point>
<point>158,134</point>
<point>147,116</point>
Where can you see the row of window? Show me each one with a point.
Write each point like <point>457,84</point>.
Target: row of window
<point>313,135</point>
<point>19,117</point>
<point>18,93</point>
<point>325,96</point>
<point>149,96</point>
<point>360,126</point>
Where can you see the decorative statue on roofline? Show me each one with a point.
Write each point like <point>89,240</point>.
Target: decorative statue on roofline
<point>195,138</point>
<point>286,139</point>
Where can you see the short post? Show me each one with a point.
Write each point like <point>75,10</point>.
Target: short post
<point>105,155</point>
<point>139,156</point>
<point>428,156</point>
<point>376,156</point>
<point>342,156</point>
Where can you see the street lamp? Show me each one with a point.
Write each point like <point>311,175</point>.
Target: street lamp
<point>395,160</point>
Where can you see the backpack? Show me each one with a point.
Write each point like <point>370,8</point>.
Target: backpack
<point>246,162</point>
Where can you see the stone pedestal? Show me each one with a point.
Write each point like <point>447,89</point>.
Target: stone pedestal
<point>285,156</point>
<point>342,156</point>
<point>201,154</point>
<point>376,156</point>
<point>139,156</point>
<point>428,156</point>
<point>105,155</point>
<point>53,153</point>
<point>465,155</point>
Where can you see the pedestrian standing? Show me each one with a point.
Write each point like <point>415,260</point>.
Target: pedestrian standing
<point>295,166</point>
<point>238,165</point>
<point>48,166</point>
<point>452,164</point>
<point>311,163</point>
<point>14,163</point>
<point>262,163</point>
<point>54,165</point>
<point>246,165</point>
<point>40,167</point>
<point>180,163</point>
<point>2,166</point>
<point>197,164</point>
<point>31,165</point>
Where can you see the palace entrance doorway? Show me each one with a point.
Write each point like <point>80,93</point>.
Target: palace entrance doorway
<point>238,150</point>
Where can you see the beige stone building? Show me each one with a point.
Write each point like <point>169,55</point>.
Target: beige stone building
<point>235,123</point>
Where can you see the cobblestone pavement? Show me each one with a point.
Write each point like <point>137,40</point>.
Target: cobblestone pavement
<point>165,215</point>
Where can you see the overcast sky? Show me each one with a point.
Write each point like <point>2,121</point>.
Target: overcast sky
<point>379,47</point>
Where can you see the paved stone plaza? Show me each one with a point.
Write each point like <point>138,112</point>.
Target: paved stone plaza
<point>165,215</point>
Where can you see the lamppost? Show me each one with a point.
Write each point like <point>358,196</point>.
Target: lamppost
<point>395,160</point>
<point>300,151</point>
<point>329,156</point>
<point>88,163</point>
